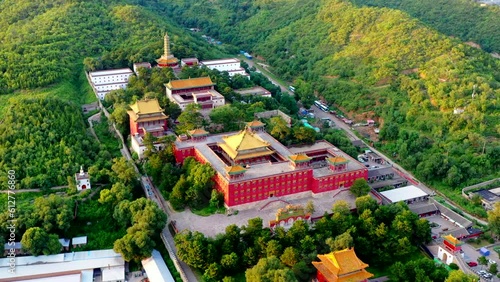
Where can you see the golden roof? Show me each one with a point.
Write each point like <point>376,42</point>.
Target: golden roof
<point>198,132</point>
<point>452,240</point>
<point>166,60</point>
<point>337,160</point>
<point>342,262</point>
<point>189,83</point>
<point>235,169</point>
<point>146,110</point>
<point>331,277</point>
<point>255,123</point>
<point>299,158</point>
<point>245,144</point>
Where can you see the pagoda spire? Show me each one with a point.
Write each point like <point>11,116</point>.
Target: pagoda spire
<point>166,47</point>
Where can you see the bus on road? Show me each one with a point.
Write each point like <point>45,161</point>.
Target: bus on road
<point>321,106</point>
<point>291,88</point>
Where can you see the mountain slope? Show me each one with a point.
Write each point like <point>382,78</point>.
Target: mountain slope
<point>382,63</point>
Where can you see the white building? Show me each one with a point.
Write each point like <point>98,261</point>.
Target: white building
<point>82,180</point>
<point>232,66</point>
<point>198,90</point>
<point>105,81</point>
<point>103,265</point>
<point>79,241</point>
<point>156,269</point>
<point>409,194</point>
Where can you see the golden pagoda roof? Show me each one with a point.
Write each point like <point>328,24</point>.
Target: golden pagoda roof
<point>342,262</point>
<point>189,83</point>
<point>255,123</point>
<point>337,160</point>
<point>239,146</point>
<point>146,110</point>
<point>235,169</point>
<point>452,240</point>
<point>166,60</point>
<point>331,277</point>
<point>299,158</point>
<point>198,132</point>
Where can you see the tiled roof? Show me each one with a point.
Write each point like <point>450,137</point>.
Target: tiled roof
<point>453,240</point>
<point>337,160</point>
<point>235,169</point>
<point>198,132</point>
<point>342,262</point>
<point>146,110</point>
<point>255,123</point>
<point>189,83</point>
<point>299,158</point>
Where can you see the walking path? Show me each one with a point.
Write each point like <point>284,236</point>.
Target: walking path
<point>33,190</point>
<point>91,120</point>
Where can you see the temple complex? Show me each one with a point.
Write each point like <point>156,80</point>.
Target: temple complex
<point>341,266</point>
<point>252,166</point>
<point>167,59</point>
<point>146,116</point>
<point>198,90</point>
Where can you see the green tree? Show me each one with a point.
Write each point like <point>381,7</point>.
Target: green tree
<point>343,241</point>
<point>304,134</point>
<point>212,273</point>
<point>190,118</point>
<point>493,268</point>
<point>135,245</point>
<point>279,128</point>
<point>482,260</point>
<point>366,203</point>
<point>216,198</point>
<point>459,276</point>
<point>229,262</point>
<point>269,269</point>
<point>310,207</point>
<point>123,171</point>
<point>273,248</point>
<point>37,241</point>
<point>231,118</point>
<point>290,256</point>
<point>360,187</point>
<point>494,219</point>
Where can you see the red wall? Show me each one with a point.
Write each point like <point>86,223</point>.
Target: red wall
<point>247,191</point>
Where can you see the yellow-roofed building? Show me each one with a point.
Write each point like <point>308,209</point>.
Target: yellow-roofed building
<point>198,90</point>
<point>246,147</point>
<point>341,266</point>
<point>146,116</point>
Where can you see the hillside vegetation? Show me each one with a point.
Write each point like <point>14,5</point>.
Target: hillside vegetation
<point>43,41</point>
<point>380,62</point>
<point>465,19</point>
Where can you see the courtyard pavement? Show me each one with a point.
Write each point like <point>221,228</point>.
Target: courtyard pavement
<point>215,224</point>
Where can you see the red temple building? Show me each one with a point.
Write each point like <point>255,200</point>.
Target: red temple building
<point>146,116</point>
<point>167,59</point>
<point>252,166</point>
<point>341,266</point>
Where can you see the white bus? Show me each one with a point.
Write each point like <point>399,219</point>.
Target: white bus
<point>321,106</point>
<point>291,88</point>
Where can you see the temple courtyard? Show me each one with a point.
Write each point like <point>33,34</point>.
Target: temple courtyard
<point>216,223</point>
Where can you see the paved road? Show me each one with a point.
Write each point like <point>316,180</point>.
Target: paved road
<point>251,63</point>
<point>96,117</point>
<point>33,190</point>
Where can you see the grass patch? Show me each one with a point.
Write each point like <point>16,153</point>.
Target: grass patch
<point>478,243</point>
<point>209,210</point>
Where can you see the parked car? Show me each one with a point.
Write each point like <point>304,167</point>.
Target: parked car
<point>491,261</point>
<point>472,263</point>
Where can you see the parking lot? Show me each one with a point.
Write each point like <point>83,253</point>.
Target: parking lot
<point>470,255</point>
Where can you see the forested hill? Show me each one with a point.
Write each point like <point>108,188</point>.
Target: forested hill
<point>376,61</point>
<point>465,19</point>
<point>45,41</point>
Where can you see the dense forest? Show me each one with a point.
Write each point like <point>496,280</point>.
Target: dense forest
<point>44,141</point>
<point>436,98</point>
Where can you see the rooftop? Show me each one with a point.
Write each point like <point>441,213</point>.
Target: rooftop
<point>488,196</point>
<point>62,264</point>
<point>143,64</point>
<point>111,72</point>
<point>189,83</point>
<point>344,265</point>
<point>146,110</point>
<point>156,269</point>
<point>404,193</point>
<point>79,240</point>
<point>220,62</point>
<point>257,90</point>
